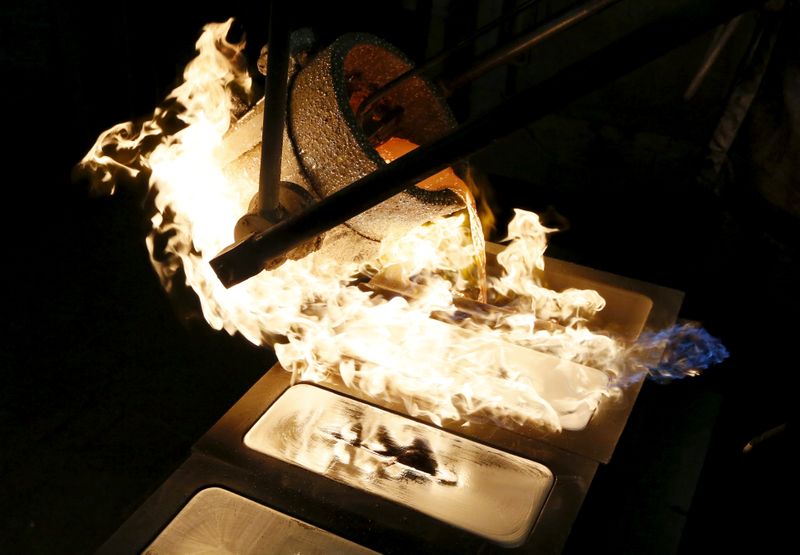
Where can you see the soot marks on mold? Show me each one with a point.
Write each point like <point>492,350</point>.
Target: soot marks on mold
<point>418,456</point>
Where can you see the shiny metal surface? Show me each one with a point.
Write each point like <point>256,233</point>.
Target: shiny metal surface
<point>216,520</point>
<point>375,521</point>
<point>490,493</point>
<point>221,458</point>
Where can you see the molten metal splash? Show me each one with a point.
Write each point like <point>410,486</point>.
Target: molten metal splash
<point>329,329</point>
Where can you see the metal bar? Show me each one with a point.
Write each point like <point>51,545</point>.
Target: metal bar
<point>369,102</point>
<point>714,50</point>
<point>246,258</point>
<point>496,57</point>
<point>747,82</point>
<point>269,176</point>
<point>508,52</point>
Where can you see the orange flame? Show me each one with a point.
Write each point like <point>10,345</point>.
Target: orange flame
<point>329,328</point>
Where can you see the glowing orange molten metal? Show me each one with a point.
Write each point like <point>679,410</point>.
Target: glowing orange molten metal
<point>506,368</point>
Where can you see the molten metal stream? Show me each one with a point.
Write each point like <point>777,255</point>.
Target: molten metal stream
<point>396,147</point>
<point>324,325</point>
<point>245,259</point>
<point>320,323</point>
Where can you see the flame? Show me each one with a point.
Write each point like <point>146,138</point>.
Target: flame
<point>396,147</point>
<point>681,351</point>
<point>508,367</point>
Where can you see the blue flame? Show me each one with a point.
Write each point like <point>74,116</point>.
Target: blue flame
<point>688,349</point>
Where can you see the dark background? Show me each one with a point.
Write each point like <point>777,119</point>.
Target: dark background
<point>106,386</point>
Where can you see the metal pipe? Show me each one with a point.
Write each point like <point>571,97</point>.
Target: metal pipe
<point>508,52</point>
<point>709,59</point>
<point>269,176</point>
<point>369,102</point>
<point>247,257</point>
<point>747,81</point>
<point>490,60</point>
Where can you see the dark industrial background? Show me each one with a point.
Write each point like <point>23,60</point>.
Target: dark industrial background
<point>105,386</point>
